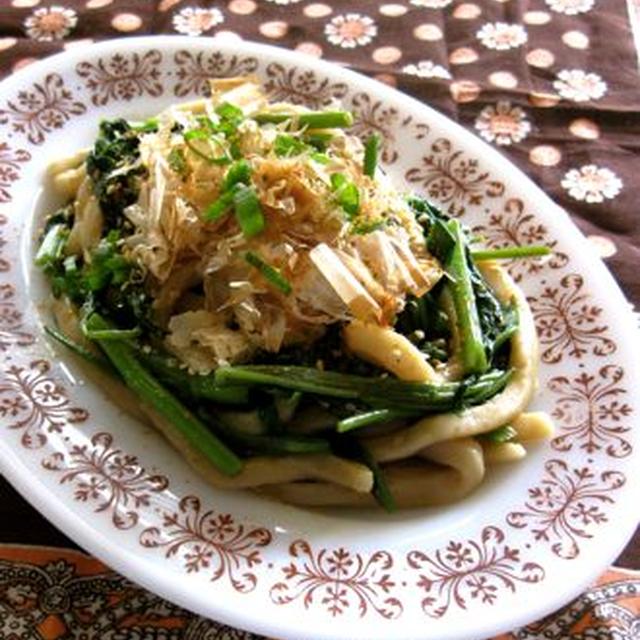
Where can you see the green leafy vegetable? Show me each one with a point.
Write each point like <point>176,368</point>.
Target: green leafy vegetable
<point>115,169</point>
<point>150,391</point>
<point>52,246</point>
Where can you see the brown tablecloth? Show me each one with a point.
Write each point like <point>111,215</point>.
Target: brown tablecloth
<point>553,84</point>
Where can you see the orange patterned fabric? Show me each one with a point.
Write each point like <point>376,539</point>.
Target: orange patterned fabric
<point>55,594</point>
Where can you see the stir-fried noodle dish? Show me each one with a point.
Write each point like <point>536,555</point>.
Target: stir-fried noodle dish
<point>243,275</point>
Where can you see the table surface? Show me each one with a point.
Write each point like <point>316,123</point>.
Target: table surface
<point>606,132</point>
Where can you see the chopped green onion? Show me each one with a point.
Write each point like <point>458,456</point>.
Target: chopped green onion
<point>310,120</point>
<point>503,434</point>
<point>219,207</point>
<point>362,227</point>
<point>52,246</point>
<point>318,139</point>
<point>229,111</point>
<point>506,253</point>
<point>178,162</point>
<point>199,134</point>
<point>238,172</point>
<point>320,158</point>
<point>347,194</point>
<point>248,211</point>
<point>287,146</point>
<point>371,148</point>
<point>270,273</point>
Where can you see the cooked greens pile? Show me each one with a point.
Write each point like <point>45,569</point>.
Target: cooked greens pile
<point>303,397</point>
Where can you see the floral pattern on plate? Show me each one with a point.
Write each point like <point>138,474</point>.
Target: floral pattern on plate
<point>223,550</point>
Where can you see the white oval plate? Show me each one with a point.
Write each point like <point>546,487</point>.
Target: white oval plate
<point>528,540</point>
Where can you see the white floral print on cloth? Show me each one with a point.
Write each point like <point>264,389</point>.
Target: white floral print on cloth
<point>503,123</point>
<point>431,4</point>
<point>570,7</point>
<point>427,69</point>
<point>578,85</point>
<point>194,21</point>
<point>351,30</point>
<point>591,183</point>
<point>502,36</point>
<point>50,23</point>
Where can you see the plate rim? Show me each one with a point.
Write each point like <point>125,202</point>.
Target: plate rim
<point>59,512</point>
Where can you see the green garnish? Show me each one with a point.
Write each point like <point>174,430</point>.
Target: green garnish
<point>210,140</point>
<point>178,162</point>
<point>228,111</point>
<point>371,148</point>
<point>362,227</point>
<point>318,139</point>
<point>270,273</point>
<point>219,207</point>
<point>286,146</point>
<point>347,194</point>
<point>238,173</point>
<point>248,210</point>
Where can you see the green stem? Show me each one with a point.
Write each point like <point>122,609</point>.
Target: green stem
<point>149,390</point>
<point>78,349</point>
<point>473,355</point>
<point>380,393</point>
<point>310,120</point>
<point>113,334</point>
<point>190,385</point>
<point>369,418</point>
<point>507,253</point>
